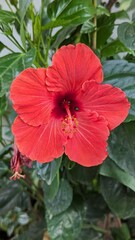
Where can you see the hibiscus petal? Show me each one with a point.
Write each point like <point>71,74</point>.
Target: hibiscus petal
<point>88,145</point>
<point>30,97</point>
<point>71,66</point>
<point>106,100</point>
<point>42,143</point>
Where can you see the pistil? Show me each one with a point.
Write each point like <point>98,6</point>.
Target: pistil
<point>70,123</point>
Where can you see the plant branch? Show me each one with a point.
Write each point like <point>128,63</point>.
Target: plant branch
<point>110,4</point>
<point>9,5</point>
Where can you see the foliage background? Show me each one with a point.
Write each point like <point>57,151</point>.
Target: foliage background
<point>62,200</point>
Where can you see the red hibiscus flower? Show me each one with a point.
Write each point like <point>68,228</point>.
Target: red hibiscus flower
<point>65,108</point>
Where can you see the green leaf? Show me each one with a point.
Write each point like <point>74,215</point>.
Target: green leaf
<point>3,104</point>
<point>121,233</point>
<point>62,199</point>
<point>102,10</point>
<point>71,12</point>
<point>113,48</point>
<point>3,168</point>
<point>1,46</point>
<point>6,29</point>
<point>48,171</point>
<point>7,17</point>
<point>5,150</point>
<point>13,2</point>
<point>95,207</point>
<point>34,232</point>
<point>121,74</point>
<point>51,190</point>
<point>66,225</point>
<point>105,26</point>
<point>120,199</point>
<point>37,29</point>
<point>110,169</point>
<point>122,147</point>
<point>23,6</point>
<point>12,194</point>
<point>12,64</point>
<point>61,35</point>
<point>83,175</point>
<point>126,34</point>
<point>87,27</point>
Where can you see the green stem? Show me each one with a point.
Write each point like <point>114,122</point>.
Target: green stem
<point>9,6</point>
<point>47,49</point>
<point>22,49</point>
<point>15,42</point>
<point>96,228</point>
<point>9,49</point>
<point>41,58</point>
<point>44,48</point>
<point>94,38</point>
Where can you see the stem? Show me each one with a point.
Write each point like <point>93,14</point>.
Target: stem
<point>41,58</point>
<point>44,48</point>
<point>9,49</point>
<point>110,4</point>
<point>18,44</point>
<point>47,49</point>
<point>15,42</point>
<point>96,228</point>
<point>9,6</point>
<point>94,37</point>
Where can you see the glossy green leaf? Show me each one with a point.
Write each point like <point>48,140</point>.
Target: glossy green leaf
<point>120,199</point>
<point>3,168</point>
<point>105,26</point>
<point>23,6</point>
<point>126,34</point>
<point>5,150</point>
<point>56,8</point>
<point>113,48</point>
<point>3,104</point>
<point>12,194</point>
<point>102,10</point>
<point>95,207</point>
<point>35,231</point>
<point>87,27</point>
<point>51,190</point>
<point>48,171</point>
<point>37,29</point>
<point>7,16</point>
<point>71,12</point>
<point>62,199</point>
<point>6,29</point>
<point>12,64</point>
<point>13,2</point>
<point>66,225</point>
<point>60,36</point>
<point>83,175</point>
<point>121,74</point>
<point>122,147</point>
<point>110,169</point>
<point>1,46</point>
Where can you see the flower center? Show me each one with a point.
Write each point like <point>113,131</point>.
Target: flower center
<point>65,103</point>
<point>69,124</point>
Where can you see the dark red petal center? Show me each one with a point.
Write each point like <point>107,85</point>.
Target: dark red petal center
<point>63,100</point>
